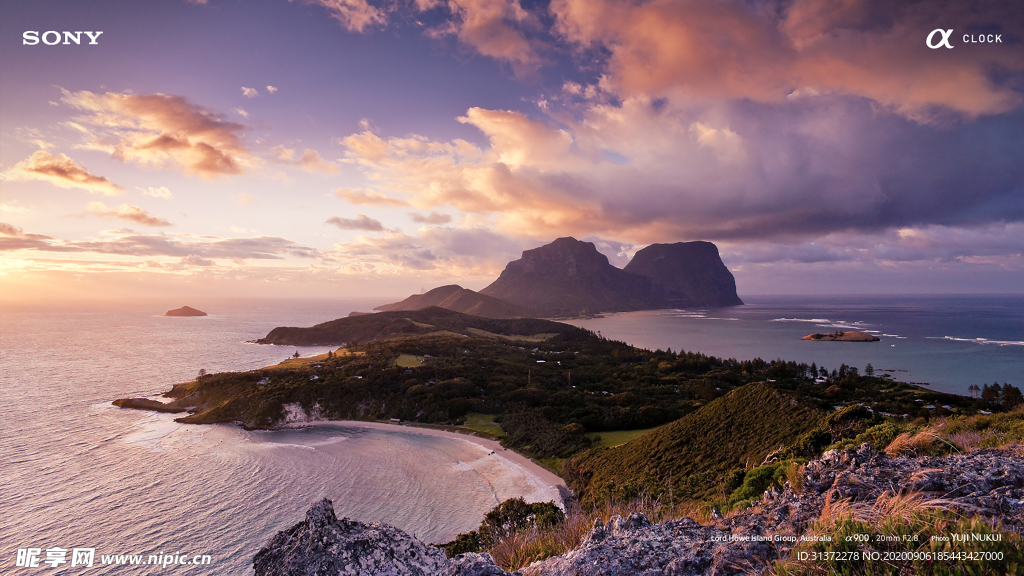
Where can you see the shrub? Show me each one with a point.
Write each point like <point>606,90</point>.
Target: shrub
<point>879,436</point>
<point>505,520</point>
<point>468,542</point>
<point>757,481</point>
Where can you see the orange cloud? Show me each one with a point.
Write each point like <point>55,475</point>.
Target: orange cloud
<point>368,198</point>
<point>703,50</point>
<point>495,28</point>
<point>161,130</point>
<point>360,222</point>
<point>353,15</point>
<point>126,212</point>
<point>310,161</point>
<point>432,218</point>
<point>61,171</point>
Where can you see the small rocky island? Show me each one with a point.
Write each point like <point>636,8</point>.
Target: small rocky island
<point>185,311</point>
<point>838,336</point>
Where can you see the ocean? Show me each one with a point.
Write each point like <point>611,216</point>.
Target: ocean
<point>78,472</point>
<point>946,342</point>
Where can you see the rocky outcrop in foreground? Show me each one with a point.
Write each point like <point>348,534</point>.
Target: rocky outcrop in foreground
<point>989,483</point>
<point>322,544</point>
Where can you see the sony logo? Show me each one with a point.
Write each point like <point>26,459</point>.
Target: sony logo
<point>53,37</point>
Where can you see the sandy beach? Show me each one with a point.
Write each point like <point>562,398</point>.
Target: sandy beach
<point>551,486</point>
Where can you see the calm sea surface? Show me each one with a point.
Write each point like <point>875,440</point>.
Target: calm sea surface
<point>947,342</point>
<point>76,472</point>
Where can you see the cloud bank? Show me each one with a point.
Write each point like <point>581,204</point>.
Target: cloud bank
<point>162,131</point>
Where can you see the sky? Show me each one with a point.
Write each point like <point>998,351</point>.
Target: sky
<point>377,148</point>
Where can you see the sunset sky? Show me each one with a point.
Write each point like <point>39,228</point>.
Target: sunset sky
<point>380,147</point>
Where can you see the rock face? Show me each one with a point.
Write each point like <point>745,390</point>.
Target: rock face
<point>686,274</point>
<point>322,544</point>
<point>569,277</point>
<point>988,483</point>
<point>459,299</point>
<point>185,311</point>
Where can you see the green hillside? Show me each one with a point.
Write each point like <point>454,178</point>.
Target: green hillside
<point>406,323</point>
<point>695,453</point>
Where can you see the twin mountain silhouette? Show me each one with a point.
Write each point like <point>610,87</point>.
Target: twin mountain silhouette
<point>569,278</point>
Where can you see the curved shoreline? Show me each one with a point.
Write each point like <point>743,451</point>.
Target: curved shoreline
<point>542,478</point>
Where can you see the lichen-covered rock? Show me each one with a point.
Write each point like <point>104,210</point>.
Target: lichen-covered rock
<point>322,545</point>
<point>473,564</point>
<point>632,546</point>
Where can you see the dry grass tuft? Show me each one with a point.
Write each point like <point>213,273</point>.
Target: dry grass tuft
<point>903,506</point>
<point>911,444</point>
<point>795,476</point>
<point>523,548</point>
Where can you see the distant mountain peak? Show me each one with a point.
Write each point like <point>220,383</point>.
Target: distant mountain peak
<point>568,277</point>
<point>686,274</point>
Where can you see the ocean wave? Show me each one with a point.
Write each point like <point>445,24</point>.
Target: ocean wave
<point>812,320</point>
<point>979,340</point>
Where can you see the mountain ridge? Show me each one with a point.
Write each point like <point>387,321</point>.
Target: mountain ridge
<point>458,299</point>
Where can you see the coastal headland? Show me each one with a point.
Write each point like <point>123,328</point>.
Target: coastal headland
<point>550,389</point>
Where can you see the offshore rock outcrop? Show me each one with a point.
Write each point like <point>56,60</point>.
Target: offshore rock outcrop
<point>185,311</point>
<point>985,483</point>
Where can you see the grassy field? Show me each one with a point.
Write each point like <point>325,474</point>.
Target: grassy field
<point>483,423</point>
<point>409,361</point>
<point>616,437</point>
<point>420,324</point>
<point>514,337</point>
<point>304,361</point>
